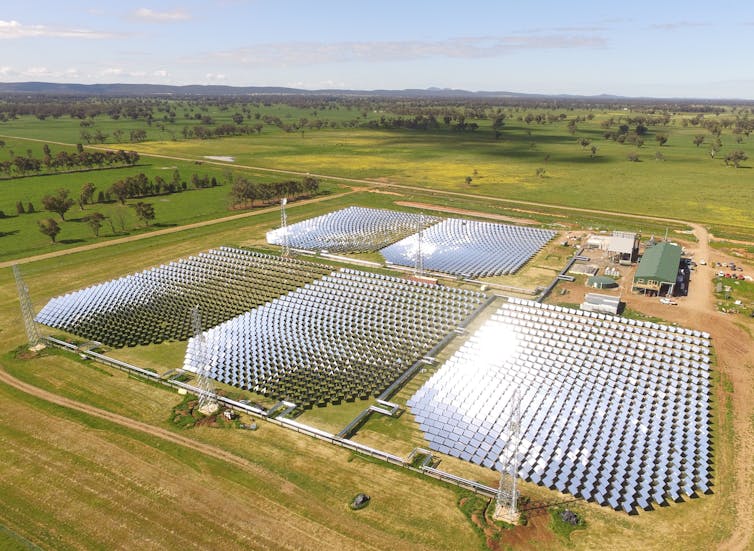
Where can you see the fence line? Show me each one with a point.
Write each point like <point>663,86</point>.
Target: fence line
<point>290,424</point>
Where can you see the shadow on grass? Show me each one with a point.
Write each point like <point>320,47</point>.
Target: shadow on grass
<point>71,241</point>
<point>582,159</point>
<point>5,233</point>
<point>163,225</point>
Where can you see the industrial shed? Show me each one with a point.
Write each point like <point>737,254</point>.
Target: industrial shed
<point>606,304</point>
<point>658,270</point>
<point>624,247</point>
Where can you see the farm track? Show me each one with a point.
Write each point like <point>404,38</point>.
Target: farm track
<point>165,231</point>
<point>333,540</point>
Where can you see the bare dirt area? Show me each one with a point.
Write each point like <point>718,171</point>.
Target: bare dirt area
<point>535,536</point>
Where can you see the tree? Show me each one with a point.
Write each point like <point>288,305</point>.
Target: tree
<point>58,203</point>
<point>144,212</point>
<point>633,157</point>
<point>95,220</point>
<point>584,142</point>
<point>87,192</point>
<point>310,184</point>
<point>468,180</point>
<point>241,192</point>
<point>30,208</point>
<point>237,118</point>
<point>735,157</point>
<point>594,150</point>
<point>20,207</point>
<point>120,190</point>
<point>49,227</point>
<point>118,216</point>
<point>698,139</point>
<point>662,139</point>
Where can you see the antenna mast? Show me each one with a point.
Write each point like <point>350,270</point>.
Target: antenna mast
<point>27,310</point>
<point>207,400</point>
<point>507,495</point>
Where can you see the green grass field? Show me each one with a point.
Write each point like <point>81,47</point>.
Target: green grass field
<point>687,184</point>
<point>285,490</point>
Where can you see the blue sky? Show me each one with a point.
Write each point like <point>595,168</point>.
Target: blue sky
<point>661,48</point>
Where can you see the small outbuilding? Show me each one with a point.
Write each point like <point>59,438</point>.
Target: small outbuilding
<point>657,272</point>
<point>605,304</point>
<point>602,282</point>
<point>623,247</point>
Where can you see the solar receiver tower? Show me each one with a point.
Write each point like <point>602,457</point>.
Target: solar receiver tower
<point>507,495</point>
<point>27,311</point>
<point>286,251</point>
<point>207,401</point>
<point>419,260</point>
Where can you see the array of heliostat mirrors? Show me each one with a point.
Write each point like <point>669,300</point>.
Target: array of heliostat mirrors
<point>613,410</point>
<point>453,246</point>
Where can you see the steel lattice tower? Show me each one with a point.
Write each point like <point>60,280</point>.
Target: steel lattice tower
<point>27,310</point>
<point>419,258</point>
<point>286,251</point>
<point>207,400</point>
<point>507,495</point>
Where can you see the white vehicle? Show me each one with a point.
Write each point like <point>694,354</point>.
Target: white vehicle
<point>702,262</point>
<point>668,301</point>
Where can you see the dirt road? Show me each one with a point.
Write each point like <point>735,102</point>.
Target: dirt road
<point>334,540</point>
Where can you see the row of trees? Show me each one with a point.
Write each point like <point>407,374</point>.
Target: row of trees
<point>20,165</point>
<point>141,185</point>
<point>130,187</point>
<point>244,192</point>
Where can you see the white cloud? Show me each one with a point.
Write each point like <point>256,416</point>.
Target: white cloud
<point>319,85</point>
<point>678,25</point>
<point>37,71</point>
<point>306,53</point>
<point>14,29</point>
<point>160,73</point>
<point>146,14</point>
<point>215,77</point>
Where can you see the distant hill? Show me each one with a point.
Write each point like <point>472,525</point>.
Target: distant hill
<point>115,89</point>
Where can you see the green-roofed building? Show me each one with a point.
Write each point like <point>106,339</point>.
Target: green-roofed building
<point>658,270</point>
